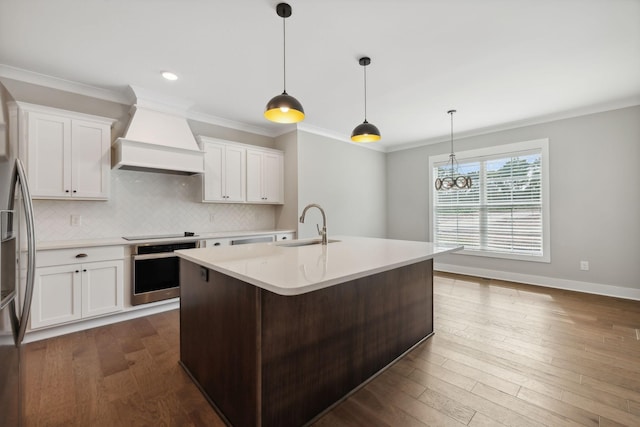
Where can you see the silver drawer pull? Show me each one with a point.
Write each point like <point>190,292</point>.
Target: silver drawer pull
<point>82,256</point>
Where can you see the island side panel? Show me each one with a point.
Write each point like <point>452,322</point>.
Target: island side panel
<point>317,347</point>
<point>218,341</point>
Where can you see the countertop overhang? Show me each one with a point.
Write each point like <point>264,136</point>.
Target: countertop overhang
<point>287,270</point>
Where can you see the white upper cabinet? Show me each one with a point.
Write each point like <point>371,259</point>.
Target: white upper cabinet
<point>67,154</point>
<point>241,173</point>
<point>90,159</point>
<point>265,176</point>
<point>224,178</point>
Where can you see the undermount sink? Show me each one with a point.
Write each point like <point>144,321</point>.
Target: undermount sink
<point>295,243</point>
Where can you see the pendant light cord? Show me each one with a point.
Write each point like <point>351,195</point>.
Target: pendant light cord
<point>365,93</point>
<point>284,55</point>
<point>453,156</point>
<point>451,114</point>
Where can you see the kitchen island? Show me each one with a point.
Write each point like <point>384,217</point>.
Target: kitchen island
<point>275,333</point>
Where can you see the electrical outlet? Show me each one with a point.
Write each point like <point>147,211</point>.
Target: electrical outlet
<point>212,217</point>
<point>76,220</point>
<point>584,265</point>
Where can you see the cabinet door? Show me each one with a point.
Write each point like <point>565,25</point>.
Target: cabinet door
<point>90,164</point>
<point>273,178</point>
<point>102,288</point>
<point>49,155</point>
<point>56,295</point>
<point>235,173</point>
<point>212,180</point>
<point>254,176</point>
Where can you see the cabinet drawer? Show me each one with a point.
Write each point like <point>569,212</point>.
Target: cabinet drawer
<point>285,236</point>
<point>217,242</point>
<point>78,255</point>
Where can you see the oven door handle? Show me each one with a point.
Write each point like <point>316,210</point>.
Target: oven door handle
<point>154,256</point>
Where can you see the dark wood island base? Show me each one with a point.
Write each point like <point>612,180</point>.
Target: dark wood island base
<point>264,359</point>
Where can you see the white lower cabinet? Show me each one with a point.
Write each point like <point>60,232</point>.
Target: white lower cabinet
<point>285,236</point>
<point>56,296</point>
<point>79,290</point>
<point>211,243</point>
<point>101,288</point>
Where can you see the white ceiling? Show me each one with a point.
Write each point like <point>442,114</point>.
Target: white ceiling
<point>498,62</point>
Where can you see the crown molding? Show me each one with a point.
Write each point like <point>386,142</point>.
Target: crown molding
<point>125,97</point>
<point>340,137</point>
<point>227,123</point>
<point>32,77</point>
<point>131,95</point>
<point>617,104</point>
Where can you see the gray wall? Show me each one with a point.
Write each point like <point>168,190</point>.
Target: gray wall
<point>348,181</point>
<point>287,214</point>
<point>595,198</point>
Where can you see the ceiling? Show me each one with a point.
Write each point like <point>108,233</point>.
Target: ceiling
<point>500,63</point>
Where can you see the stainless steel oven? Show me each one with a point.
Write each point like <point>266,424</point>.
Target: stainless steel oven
<point>156,271</point>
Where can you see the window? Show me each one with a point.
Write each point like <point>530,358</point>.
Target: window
<point>505,213</point>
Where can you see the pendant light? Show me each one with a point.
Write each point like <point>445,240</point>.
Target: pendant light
<point>365,132</point>
<point>284,108</point>
<point>453,182</point>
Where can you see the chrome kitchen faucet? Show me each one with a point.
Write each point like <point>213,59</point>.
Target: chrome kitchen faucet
<point>322,232</point>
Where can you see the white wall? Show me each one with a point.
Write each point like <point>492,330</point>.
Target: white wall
<point>595,202</point>
<point>143,203</point>
<point>348,181</point>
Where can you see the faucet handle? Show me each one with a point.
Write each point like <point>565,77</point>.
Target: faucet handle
<point>318,228</point>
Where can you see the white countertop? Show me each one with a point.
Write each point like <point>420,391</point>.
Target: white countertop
<point>115,241</point>
<point>297,270</point>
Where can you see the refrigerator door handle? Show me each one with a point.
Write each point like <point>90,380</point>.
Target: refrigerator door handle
<point>20,176</point>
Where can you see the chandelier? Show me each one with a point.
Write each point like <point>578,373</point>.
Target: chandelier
<point>453,182</point>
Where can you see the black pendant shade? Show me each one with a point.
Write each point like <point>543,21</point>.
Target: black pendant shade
<point>284,108</point>
<point>365,132</point>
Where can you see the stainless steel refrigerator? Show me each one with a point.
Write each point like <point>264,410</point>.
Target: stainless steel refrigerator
<point>17,259</point>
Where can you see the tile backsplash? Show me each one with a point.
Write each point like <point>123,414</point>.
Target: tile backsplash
<point>144,203</point>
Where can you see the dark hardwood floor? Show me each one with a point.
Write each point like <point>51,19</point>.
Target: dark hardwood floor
<point>503,354</point>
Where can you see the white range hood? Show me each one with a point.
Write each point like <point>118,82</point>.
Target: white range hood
<point>157,141</point>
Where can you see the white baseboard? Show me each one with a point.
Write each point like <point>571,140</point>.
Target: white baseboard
<point>138,311</point>
<point>549,282</point>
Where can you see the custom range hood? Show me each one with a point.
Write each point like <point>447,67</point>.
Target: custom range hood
<point>157,139</point>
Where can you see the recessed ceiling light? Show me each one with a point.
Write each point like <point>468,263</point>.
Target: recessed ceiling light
<point>169,75</point>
